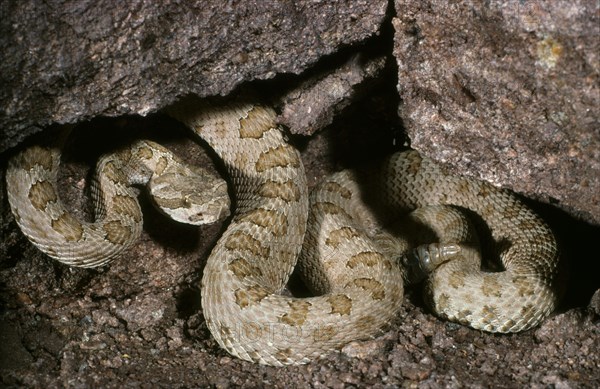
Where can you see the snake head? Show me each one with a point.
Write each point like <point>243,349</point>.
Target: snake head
<point>196,199</point>
<point>424,259</point>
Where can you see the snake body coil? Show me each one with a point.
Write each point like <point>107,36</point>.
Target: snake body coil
<point>355,266</point>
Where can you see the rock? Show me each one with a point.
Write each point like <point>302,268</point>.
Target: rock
<point>364,349</point>
<point>415,372</point>
<point>144,311</point>
<point>315,102</point>
<point>70,61</point>
<point>506,92</point>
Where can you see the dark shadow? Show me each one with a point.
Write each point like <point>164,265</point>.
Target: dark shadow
<point>576,239</point>
<point>189,302</point>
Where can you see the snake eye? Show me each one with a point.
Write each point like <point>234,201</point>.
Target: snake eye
<point>186,202</point>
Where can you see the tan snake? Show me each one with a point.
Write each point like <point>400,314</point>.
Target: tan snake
<point>355,254</point>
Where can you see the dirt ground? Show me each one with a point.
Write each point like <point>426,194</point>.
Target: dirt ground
<point>138,322</point>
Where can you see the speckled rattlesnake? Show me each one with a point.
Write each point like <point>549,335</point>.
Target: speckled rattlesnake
<point>355,266</point>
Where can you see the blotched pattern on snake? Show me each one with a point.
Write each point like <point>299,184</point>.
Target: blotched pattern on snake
<point>358,238</point>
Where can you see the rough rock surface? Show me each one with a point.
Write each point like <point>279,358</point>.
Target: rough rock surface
<point>507,92</point>
<point>138,322</point>
<point>313,105</point>
<point>66,61</point>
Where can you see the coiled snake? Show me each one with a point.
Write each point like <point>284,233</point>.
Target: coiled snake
<point>356,266</point>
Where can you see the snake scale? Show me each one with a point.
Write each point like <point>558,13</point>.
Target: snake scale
<point>355,264</point>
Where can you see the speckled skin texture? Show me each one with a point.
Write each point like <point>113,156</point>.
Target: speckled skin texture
<point>184,193</point>
<point>359,283</point>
